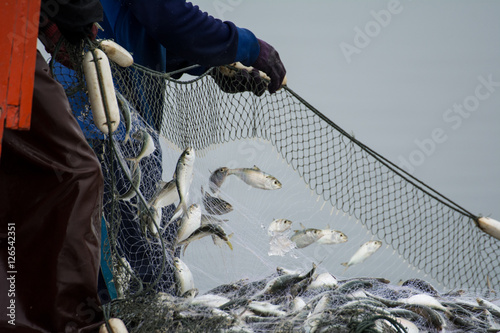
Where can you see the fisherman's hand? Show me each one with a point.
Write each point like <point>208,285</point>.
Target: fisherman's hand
<point>270,63</point>
<point>239,80</point>
<point>55,40</point>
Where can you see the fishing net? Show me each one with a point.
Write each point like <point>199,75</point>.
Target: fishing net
<point>288,138</point>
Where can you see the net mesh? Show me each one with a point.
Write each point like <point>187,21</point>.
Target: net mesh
<point>431,232</point>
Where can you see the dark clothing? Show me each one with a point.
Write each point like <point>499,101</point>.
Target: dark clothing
<point>51,189</point>
<point>74,18</point>
<point>167,35</point>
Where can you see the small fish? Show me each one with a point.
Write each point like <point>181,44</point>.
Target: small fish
<point>366,250</point>
<point>266,309</point>
<point>148,146</point>
<point>136,181</point>
<point>323,280</point>
<point>425,300</point>
<point>166,195</point>
<point>256,178</point>
<point>215,205</point>
<point>206,230</point>
<point>331,236</point>
<point>217,178</point>
<point>150,220</point>
<point>279,226</point>
<point>126,114</point>
<point>306,237</point>
<point>189,222</point>
<point>183,177</point>
<point>183,276</point>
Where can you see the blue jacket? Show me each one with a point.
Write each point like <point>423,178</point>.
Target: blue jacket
<point>167,35</point>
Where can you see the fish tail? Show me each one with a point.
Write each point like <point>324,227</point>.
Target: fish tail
<point>346,266</point>
<point>127,138</point>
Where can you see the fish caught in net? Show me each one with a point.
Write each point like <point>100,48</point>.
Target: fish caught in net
<point>145,250</point>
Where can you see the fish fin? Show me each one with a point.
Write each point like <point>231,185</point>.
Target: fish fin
<point>229,244</point>
<point>302,225</point>
<point>256,168</point>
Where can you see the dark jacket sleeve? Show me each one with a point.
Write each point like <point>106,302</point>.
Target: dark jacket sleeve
<point>74,18</point>
<point>187,32</point>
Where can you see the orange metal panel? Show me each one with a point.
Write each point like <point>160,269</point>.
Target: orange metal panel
<point>19,26</point>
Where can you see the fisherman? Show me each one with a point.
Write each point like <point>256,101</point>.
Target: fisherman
<point>51,189</point>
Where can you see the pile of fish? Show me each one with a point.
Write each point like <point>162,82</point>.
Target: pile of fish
<point>287,301</point>
<point>290,301</point>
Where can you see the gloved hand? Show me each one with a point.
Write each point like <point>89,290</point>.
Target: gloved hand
<point>51,36</point>
<point>270,63</point>
<point>239,80</point>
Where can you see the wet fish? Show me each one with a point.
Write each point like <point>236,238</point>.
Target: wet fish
<point>189,222</point>
<point>166,195</point>
<point>136,181</point>
<point>183,276</point>
<point>366,250</point>
<point>279,226</point>
<point>323,280</point>
<point>426,300</point>
<point>148,146</point>
<point>266,309</point>
<point>331,236</point>
<point>306,237</point>
<point>183,177</point>
<point>207,230</point>
<point>256,178</point>
<point>217,178</point>
<point>215,205</point>
<point>150,220</point>
<point>126,114</point>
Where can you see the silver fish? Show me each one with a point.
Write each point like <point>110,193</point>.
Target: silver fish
<point>166,195</point>
<point>148,146</point>
<point>136,181</point>
<point>206,230</point>
<point>215,205</point>
<point>150,220</point>
<point>331,236</point>
<point>217,178</point>
<point>189,222</point>
<point>256,178</point>
<point>183,177</point>
<point>306,237</point>
<point>183,276</point>
<point>126,114</point>
<point>279,226</point>
<point>366,250</point>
